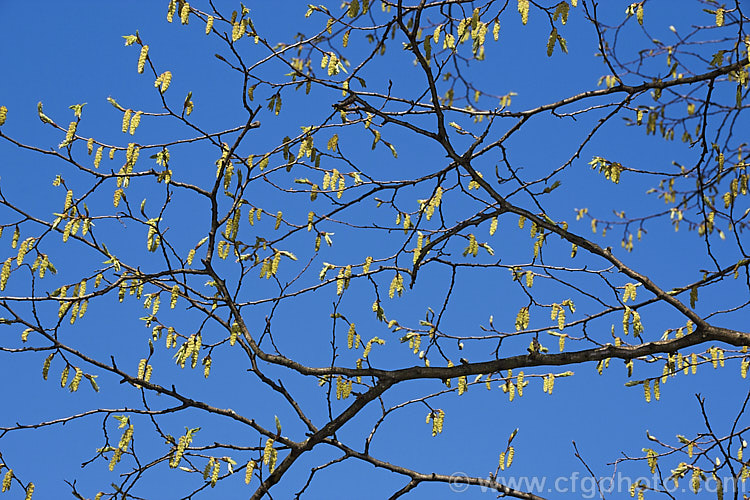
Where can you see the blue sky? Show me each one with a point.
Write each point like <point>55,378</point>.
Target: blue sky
<point>75,53</point>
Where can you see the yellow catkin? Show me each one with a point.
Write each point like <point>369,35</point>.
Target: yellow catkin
<point>5,273</point>
<point>249,471</point>
<point>125,125</point>
<point>238,30</point>
<point>185,13</point>
<point>174,294</point>
<point>350,336</point>
<point>142,59</point>
<point>171,10</point>
<point>136,120</point>
<point>278,220</point>
<point>29,491</point>
<point>7,480</point>
<point>70,134</point>
<point>98,156</point>
<point>166,79</point>
<point>462,385</point>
